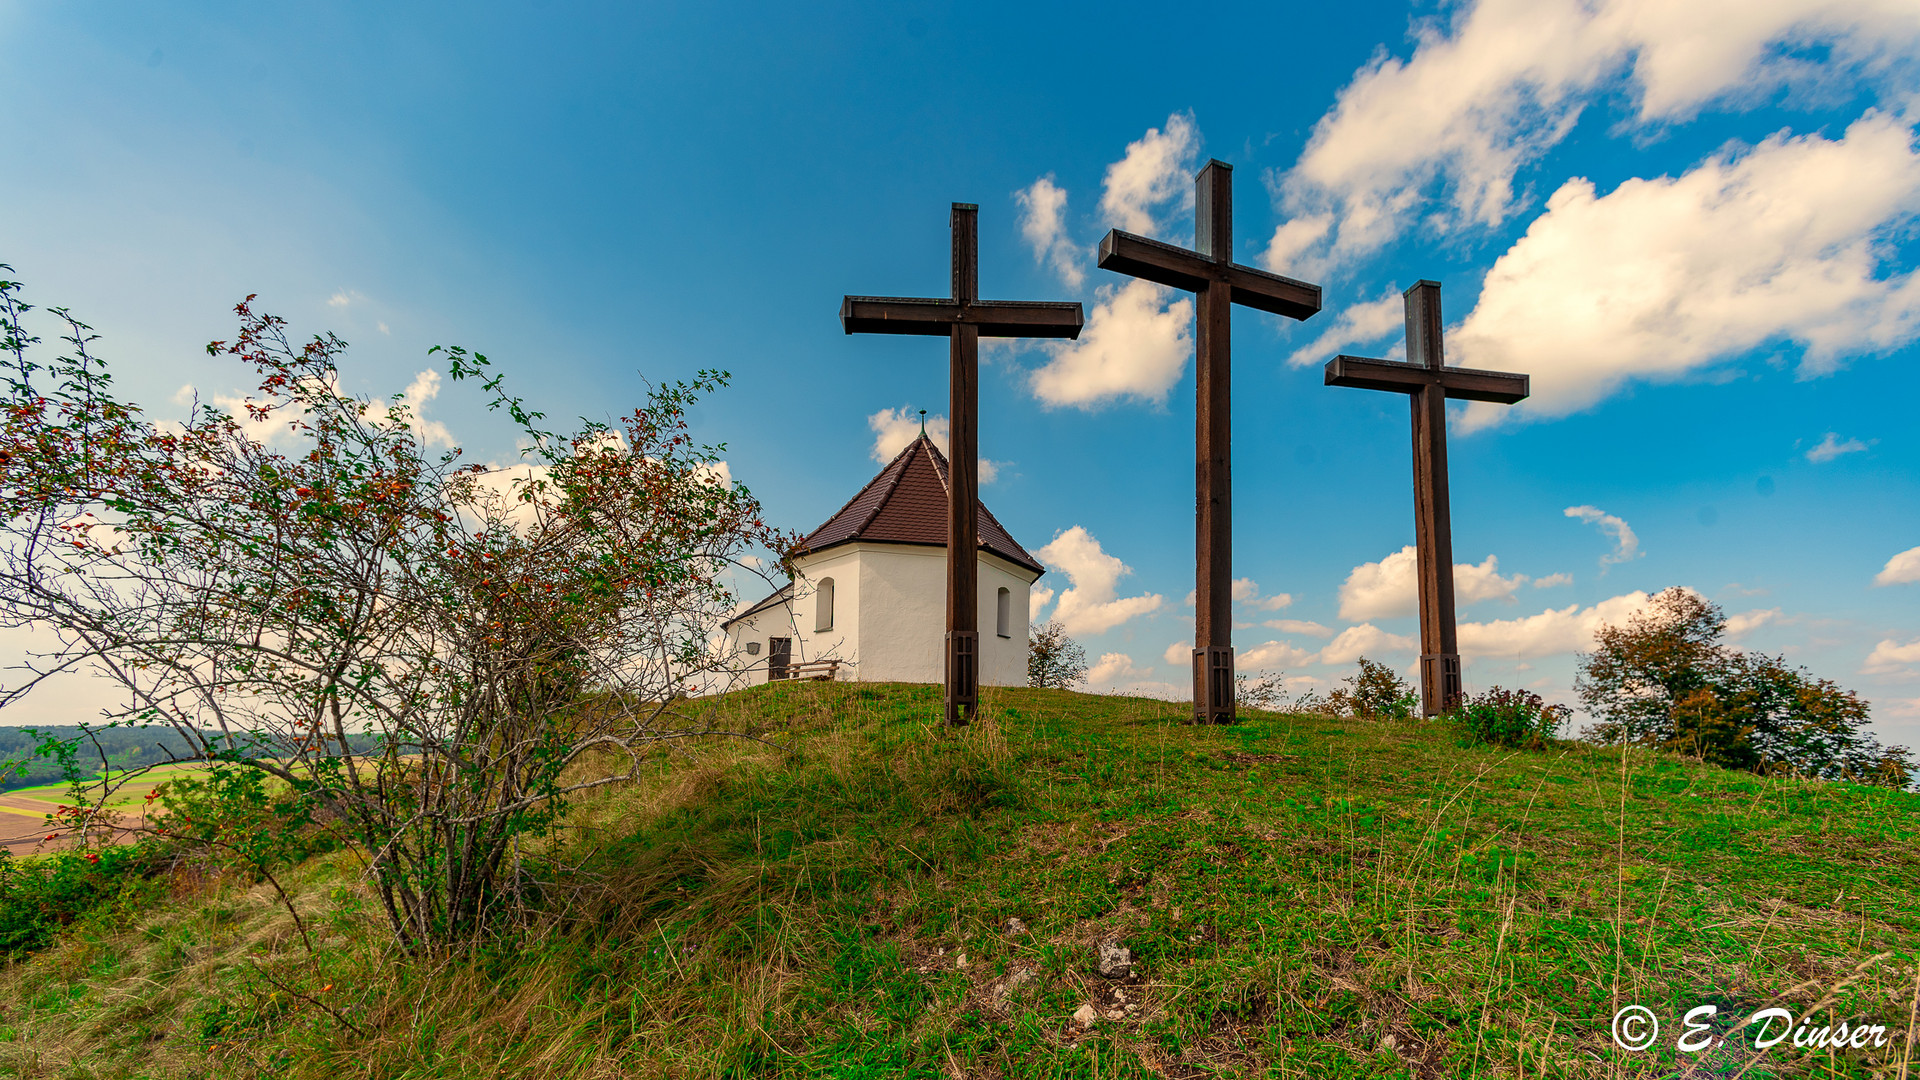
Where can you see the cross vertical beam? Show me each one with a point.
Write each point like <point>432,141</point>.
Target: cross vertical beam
<point>1217,283</point>
<point>1428,383</point>
<point>963,318</point>
<point>1213,697</point>
<point>963,452</point>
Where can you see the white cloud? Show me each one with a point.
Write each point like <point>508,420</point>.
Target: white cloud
<point>1746,622</point>
<point>424,388</point>
<point>1247,591</point>
<point>1364,640</point>
<point>1553,581</point>
<point>1115,667</point>
<point>342,298</point>
<point>1832,447</point>
<point>1116,673</point>
<point>1663,277</point>
<point>1135,344</point>
<point>1299,626</point>
<point>1506,80</point>
<point>1038,599</point>
<point>1625,544</point>
<point>1089,604</point>
<point>1901,569</point>
<point>1889,658</point>
<point>278,425</point>
<point>1386,589</point>
<point>1550,633</point>
<point>1274,655</point>
<point>1359,324</point>
<point>1154,171</point>
<point>1180,652</point>
<point>1043,209</point>
<point>893,429</point>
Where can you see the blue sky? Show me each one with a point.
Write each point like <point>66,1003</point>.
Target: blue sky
<point>1695,228</point>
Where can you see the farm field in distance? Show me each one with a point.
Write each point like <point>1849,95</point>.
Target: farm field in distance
<point>23,812</point>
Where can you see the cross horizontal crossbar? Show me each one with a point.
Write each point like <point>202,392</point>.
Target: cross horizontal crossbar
<point>1166,264</point>
<point>1464,384</point>
<point>938,317</point>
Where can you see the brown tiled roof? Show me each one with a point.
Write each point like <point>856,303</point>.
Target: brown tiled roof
<point>907,504</point>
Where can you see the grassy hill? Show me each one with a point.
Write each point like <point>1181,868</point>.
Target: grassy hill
<point>1300,897</point>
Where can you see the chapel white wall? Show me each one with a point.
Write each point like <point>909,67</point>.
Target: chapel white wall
<point>890,615</point>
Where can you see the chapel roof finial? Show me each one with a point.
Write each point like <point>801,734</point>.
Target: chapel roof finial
<point>923,423</point>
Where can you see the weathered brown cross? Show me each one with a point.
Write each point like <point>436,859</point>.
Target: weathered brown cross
<point>963,319</point>
<point>1428,382</point>
<point>1218,283</point>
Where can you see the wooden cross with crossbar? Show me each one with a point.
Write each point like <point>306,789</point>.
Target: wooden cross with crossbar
<point>1217,283</point>
<point>963,319</point>
<point>1428,382</point>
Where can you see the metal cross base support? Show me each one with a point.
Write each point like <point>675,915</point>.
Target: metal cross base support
<point>1213,685</point>
<point>963,676</point>
<point>1439,682</point>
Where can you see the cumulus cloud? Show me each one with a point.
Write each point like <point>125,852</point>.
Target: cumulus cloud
<point>1738,626</point>
<point>1299,626</point>
<point>1661,278</point>
<point>1625,544</point>
<point>1276,655</point>
<point>1901,569</point>
<point>424,388</point>
<point>1043,213</point>
<point>1116,673</point>
<point>1180,652</point>
<point>1090,604</point>
<point>1247,591</point>
<point>1364,640</point>
<point>1504,81</point>
<point>1136,343</point>
<point>1832,447</point>
<point>1359,324</point>
<point>277,426</point>
<point>1388,588</point>
<point>1115,667</point>
<point>1154,171</point>
<point>1037,600</point>
<point>894,429</point>
<point>1553,581</point>
<point>1550,633</point>
<point>1891,658</point>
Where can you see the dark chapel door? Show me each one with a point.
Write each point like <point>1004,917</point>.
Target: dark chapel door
<point>779,655</point>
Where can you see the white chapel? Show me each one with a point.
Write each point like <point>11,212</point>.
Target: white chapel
<point>868,599</point>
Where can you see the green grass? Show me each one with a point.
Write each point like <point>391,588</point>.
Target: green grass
<point>1303,896</point>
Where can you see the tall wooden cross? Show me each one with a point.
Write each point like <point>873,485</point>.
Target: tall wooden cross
<point>1218,283</point>
<point>963,319</point>
<point>1428,382</point>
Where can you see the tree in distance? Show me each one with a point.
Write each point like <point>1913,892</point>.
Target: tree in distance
<point>1664,679</point>
<point>1054,660</point>
<point>282,587</point>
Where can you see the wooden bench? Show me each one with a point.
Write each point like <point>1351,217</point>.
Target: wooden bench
<point>819,670</point>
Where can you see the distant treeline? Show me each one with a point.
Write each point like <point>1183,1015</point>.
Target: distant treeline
<point>124,748</point>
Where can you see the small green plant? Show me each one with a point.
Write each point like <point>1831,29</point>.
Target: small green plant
<point>1514,718</point>
<point>39,896</point>
<point>1374,692</point>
